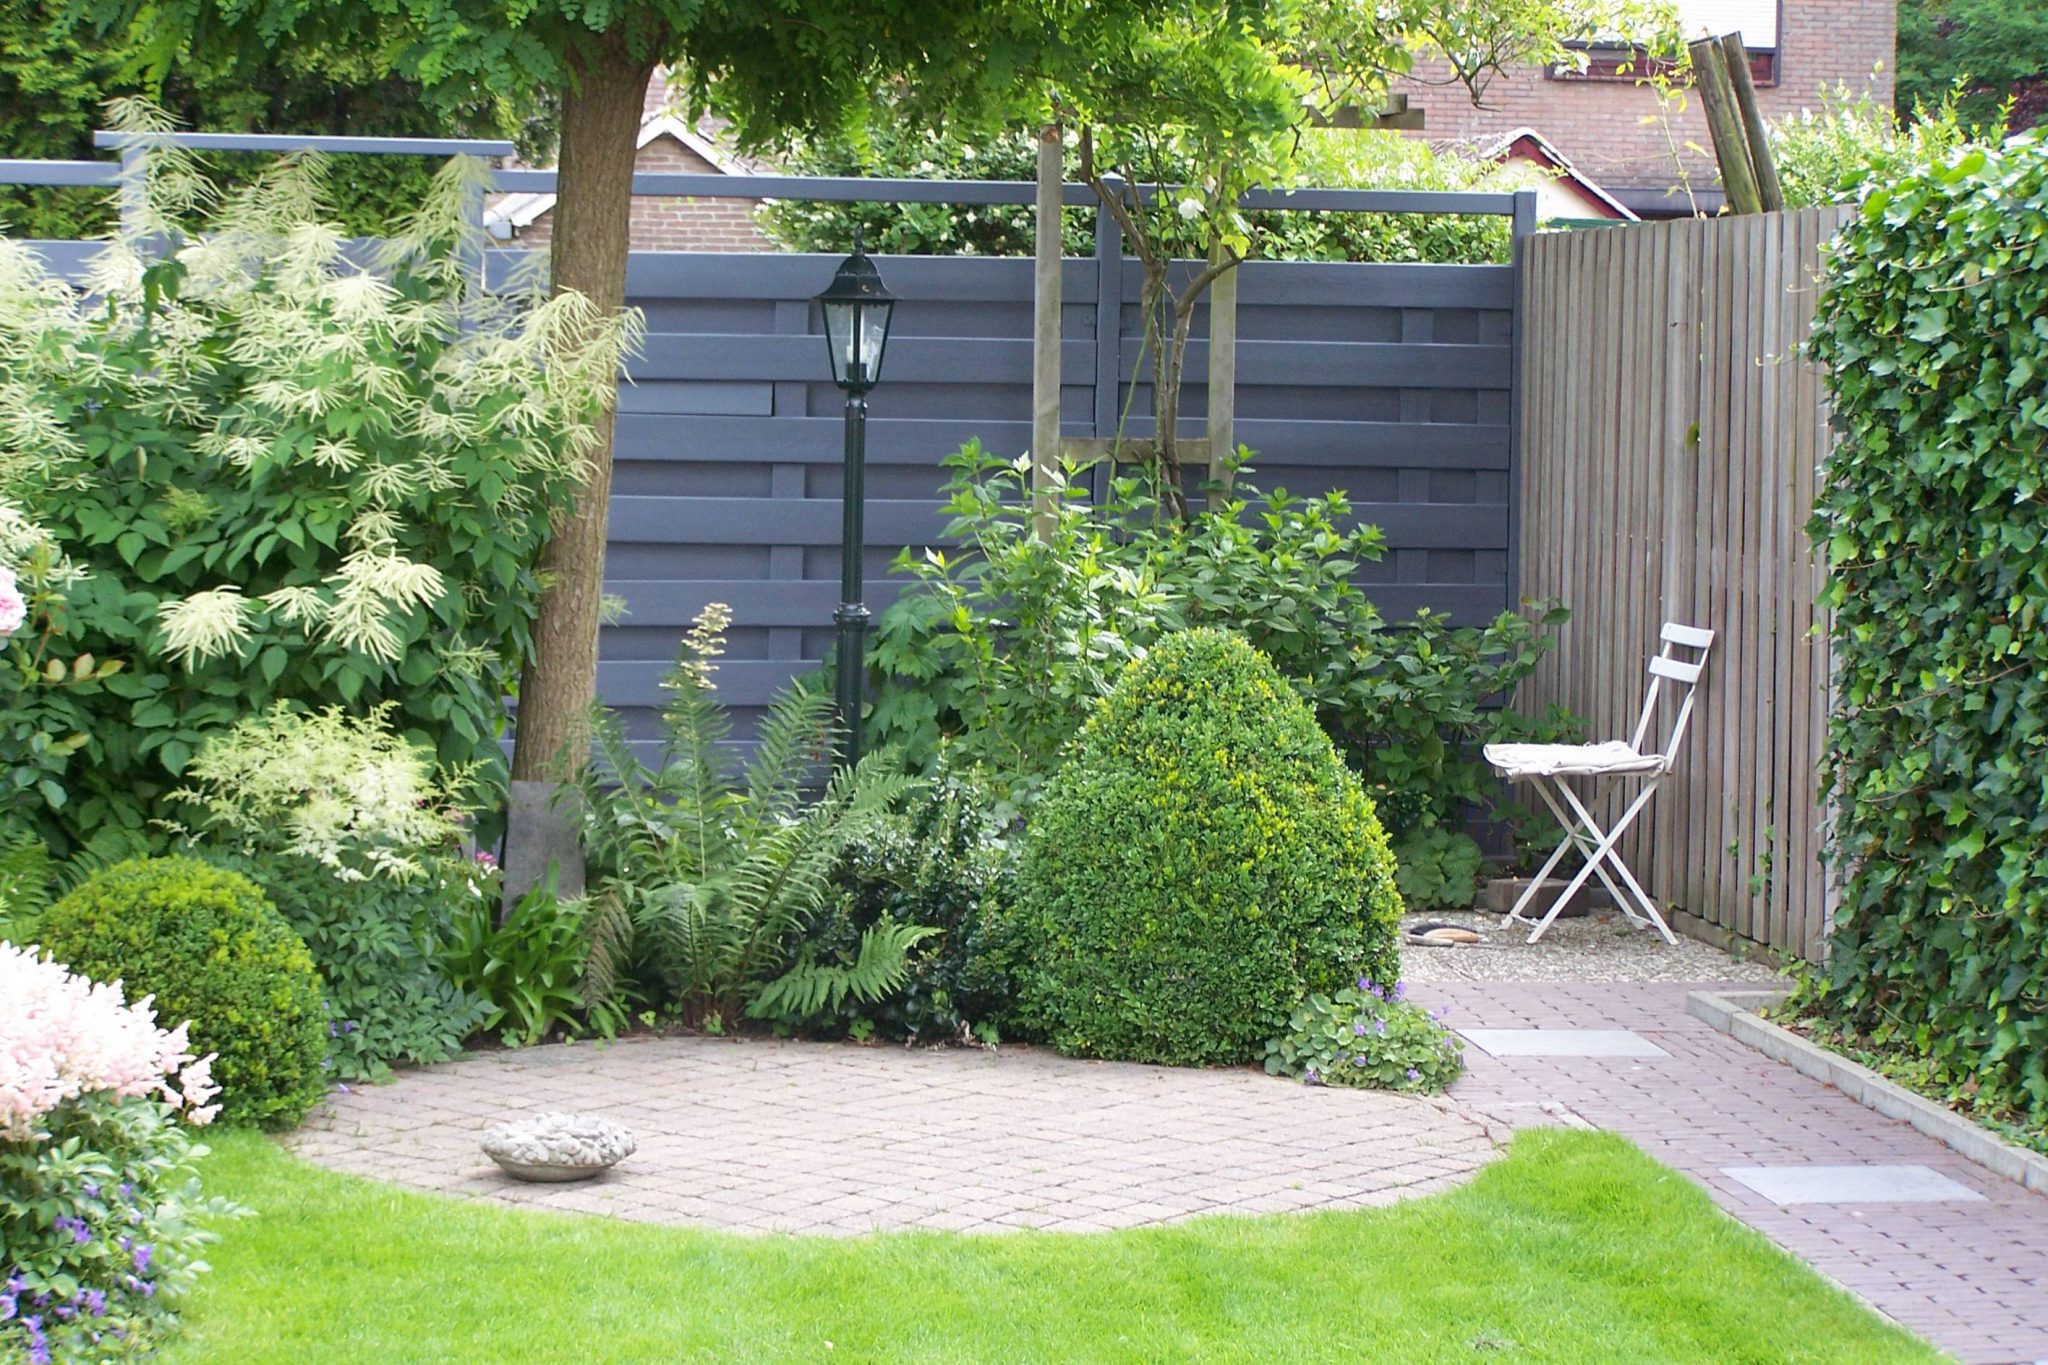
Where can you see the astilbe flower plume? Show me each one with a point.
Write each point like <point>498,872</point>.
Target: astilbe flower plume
<point>62,1036</point>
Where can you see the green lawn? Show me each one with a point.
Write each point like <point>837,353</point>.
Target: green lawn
<point>1575,1248</point>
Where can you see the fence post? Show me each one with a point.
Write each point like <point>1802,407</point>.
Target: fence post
<point>1045,328</point>
<point>134,191</point>
<point>1522,226</point>
<point>1221,426</point>
<point>1109,313</point>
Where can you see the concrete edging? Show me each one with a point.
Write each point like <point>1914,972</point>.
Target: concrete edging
<point>1734,1013</point>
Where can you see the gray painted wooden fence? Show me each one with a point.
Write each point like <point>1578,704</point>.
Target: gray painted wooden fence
<point>1670,434</point>
<point>1389,381</point>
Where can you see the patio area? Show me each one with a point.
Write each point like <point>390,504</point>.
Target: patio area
<point>839,1139</point>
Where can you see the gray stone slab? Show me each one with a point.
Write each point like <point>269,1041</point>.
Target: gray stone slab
<point>1865,1184</point>
<point>1561,1042</point>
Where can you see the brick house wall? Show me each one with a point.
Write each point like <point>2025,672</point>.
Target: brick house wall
<point>1613,130</point>
<point>671,224</point>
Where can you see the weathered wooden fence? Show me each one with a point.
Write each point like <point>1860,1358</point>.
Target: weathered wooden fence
<point>1669,434</point>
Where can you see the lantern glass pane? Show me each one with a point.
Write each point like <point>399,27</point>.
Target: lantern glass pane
<point>840,321</point>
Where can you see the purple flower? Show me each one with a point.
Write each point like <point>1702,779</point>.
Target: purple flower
<point>1358,1030</point>
<point>1365,983</point>
<point>1359,1060</point>
<point>1379,1027</point>
<point>6,1307</point>
<point>95,1301</point>
<point>1311,1076</point>
<point>1400,990</point>
<point>1413,1074</point>
<point>142,1255</point>
<point>127,1189</point>
<point>80,1233</point>
<point>92,1191</point>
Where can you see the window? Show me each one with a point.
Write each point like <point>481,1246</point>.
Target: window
<point>1755,20</point>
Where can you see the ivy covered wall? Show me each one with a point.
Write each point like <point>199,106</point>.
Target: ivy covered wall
<point>1933,326</point>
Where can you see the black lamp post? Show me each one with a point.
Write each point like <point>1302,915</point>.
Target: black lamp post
<point>857,308</point>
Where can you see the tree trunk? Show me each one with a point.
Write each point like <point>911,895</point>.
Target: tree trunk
<point>593,209</point>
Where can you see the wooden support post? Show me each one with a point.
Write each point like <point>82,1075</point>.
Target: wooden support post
<point>1724,122</point>
<point>1221,427</point>
<point>1736,57</point>
<point>1045,335</point>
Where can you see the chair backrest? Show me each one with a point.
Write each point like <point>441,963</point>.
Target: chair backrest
<point>1681,676</point>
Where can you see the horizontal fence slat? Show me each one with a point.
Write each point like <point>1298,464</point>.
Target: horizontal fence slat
<point>1344,364</point>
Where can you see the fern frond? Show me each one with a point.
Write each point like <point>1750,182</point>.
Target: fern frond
<point>811,989</point>
<point>608,948</point>
<point>795,734</point>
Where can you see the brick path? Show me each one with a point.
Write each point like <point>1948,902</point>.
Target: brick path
<point>1970,1277</point>
<point>836,1139</point>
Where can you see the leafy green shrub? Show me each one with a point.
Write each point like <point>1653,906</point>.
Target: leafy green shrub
<point>1831,155</point>
<point>1930,330</point>
<point>1201,863</point>
<point>1002,648</point>
<point>354,837</point>
<point>529,969</point>
<point>1367,1035</point>
<point>288,475</point>
<point>1328,159</point>
<point>207,945</point>
<point>941,868</point>
<point>705,876</point>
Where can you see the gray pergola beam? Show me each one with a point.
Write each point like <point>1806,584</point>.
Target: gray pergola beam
<point>311,142</point>
<point>101,173</point>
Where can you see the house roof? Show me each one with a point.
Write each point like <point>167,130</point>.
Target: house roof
<point>1526,144</point>
<point>520,210</point>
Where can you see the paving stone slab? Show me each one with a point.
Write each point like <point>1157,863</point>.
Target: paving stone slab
<point>1561,1042</point>
<point>1869,1184</point>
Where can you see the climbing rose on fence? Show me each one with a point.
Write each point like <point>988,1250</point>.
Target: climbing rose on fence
<point>62,1036</point>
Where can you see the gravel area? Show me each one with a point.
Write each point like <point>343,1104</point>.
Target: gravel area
<point>1601,946</point>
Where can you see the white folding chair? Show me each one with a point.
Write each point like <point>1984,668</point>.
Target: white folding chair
<point>1549,765</point>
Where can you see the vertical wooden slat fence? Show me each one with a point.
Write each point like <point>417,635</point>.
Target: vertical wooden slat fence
<point>1669,436</point>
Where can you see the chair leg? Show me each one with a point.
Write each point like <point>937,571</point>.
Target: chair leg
<point>1608,851</point>
<point>1572,837</point>
<point>1556,856</point>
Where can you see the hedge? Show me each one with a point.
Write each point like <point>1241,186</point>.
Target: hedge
<point>1933,327</point>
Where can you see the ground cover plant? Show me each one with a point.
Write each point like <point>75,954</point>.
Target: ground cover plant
<point>287,473</point>
<point>209,948</point>
<point>1657,1273</point>
<point>1201,862</point>
<point>1930,334</point>
<point>1367,1035</point>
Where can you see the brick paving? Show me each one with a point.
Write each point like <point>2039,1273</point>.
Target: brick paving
<point>765,1136</point>
<point>1970,1277</point>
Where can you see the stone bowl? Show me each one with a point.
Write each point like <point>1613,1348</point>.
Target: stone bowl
<point>555,1148</point>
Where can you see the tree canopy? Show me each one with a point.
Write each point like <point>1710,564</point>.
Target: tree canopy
<point>1994,49</point>
<point>56,76</point>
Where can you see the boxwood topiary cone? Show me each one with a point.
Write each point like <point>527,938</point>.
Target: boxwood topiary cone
<point>1202,861</point>
<point>213,951</point>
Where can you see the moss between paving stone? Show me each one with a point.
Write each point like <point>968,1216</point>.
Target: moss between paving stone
<point>1575,1247</point>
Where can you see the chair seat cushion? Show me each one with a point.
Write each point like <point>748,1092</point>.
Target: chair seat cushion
<point>1551,760</point>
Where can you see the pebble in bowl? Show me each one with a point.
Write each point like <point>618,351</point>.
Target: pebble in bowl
<point>558,1147</point>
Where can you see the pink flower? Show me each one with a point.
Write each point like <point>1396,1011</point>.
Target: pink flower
<point>62,1036</point>
<point>13,609</point>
